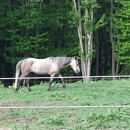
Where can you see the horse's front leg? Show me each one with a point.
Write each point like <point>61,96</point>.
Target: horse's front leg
<point>63,83</point>
<point>51,80</point>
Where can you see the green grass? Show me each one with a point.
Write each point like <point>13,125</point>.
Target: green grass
<point>116,92</point>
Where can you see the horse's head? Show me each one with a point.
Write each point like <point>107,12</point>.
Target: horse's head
<point>75,65</point>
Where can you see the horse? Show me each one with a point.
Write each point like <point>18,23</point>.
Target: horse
<point>50,65</point>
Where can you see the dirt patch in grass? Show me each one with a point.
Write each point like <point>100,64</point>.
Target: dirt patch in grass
<point>32,120</point>
<point>9,105</point>
<point>12,105</point>
<point>2,109</point>
<point>5,129</point>
<point>14,115</point>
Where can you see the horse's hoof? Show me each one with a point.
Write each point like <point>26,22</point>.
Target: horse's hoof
<point>16,90</point>
<point>64,87</point>
<point>29,90</point>
<point>49,89</point>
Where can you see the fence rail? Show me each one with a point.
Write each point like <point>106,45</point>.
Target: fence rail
<point>46,107</point>
<point>67,77</point>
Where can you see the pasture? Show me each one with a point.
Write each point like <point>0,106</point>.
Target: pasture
<point>100,93</point>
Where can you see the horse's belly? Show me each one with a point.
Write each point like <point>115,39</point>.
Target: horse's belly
<point>43,68</point>
<point>39,70</point>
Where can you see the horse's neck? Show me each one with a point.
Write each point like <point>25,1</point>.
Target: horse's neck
<point>64,62</point>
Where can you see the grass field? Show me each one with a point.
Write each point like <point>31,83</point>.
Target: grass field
<point>100,93</point>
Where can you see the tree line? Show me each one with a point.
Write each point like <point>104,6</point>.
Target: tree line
<point>96,31</point>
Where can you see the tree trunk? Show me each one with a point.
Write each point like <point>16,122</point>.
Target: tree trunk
<point>112,40</point>
<point>84,30</point>
<point>97,54</point>
<point>79,29</point>
<point>88,44</point>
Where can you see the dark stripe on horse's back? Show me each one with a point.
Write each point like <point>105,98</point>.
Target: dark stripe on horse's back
<point>53,59</point>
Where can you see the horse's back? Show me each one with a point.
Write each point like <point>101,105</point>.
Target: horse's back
<point>40,66</point>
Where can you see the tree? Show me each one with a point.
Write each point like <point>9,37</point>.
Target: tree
<point>122,32</point>
<point>111,38</point>
<point>86,25</point>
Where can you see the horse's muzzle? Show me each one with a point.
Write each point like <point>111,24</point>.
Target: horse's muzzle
<point>77,72</point>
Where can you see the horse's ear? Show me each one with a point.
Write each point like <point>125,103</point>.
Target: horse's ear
<point>75,57</point>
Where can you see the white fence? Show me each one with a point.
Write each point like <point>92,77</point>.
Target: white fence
<point>72,77</point>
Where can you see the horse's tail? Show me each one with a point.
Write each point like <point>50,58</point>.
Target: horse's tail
<point>17,73</point>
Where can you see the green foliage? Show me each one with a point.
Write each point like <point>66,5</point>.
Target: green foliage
<point>110,116</point>
<point>35,29</point>
<point>55,120</point>
<point>101,22</point>
<point>26,36</point>
<point>122,31</point>
<point>92,6</point>
<point>101,120</point>
<point>125,70</point>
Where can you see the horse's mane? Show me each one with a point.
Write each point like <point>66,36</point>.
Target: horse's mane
<point>61,60</point>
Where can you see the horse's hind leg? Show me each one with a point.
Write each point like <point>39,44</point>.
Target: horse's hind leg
<point>27,82</point>
<point>24,81</point>
<point>21,77</point>
<point>18,85</point>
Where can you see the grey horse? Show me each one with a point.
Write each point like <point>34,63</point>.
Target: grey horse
<point>50,65</point>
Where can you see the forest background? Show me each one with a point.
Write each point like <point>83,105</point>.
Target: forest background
<point>96,31</point>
